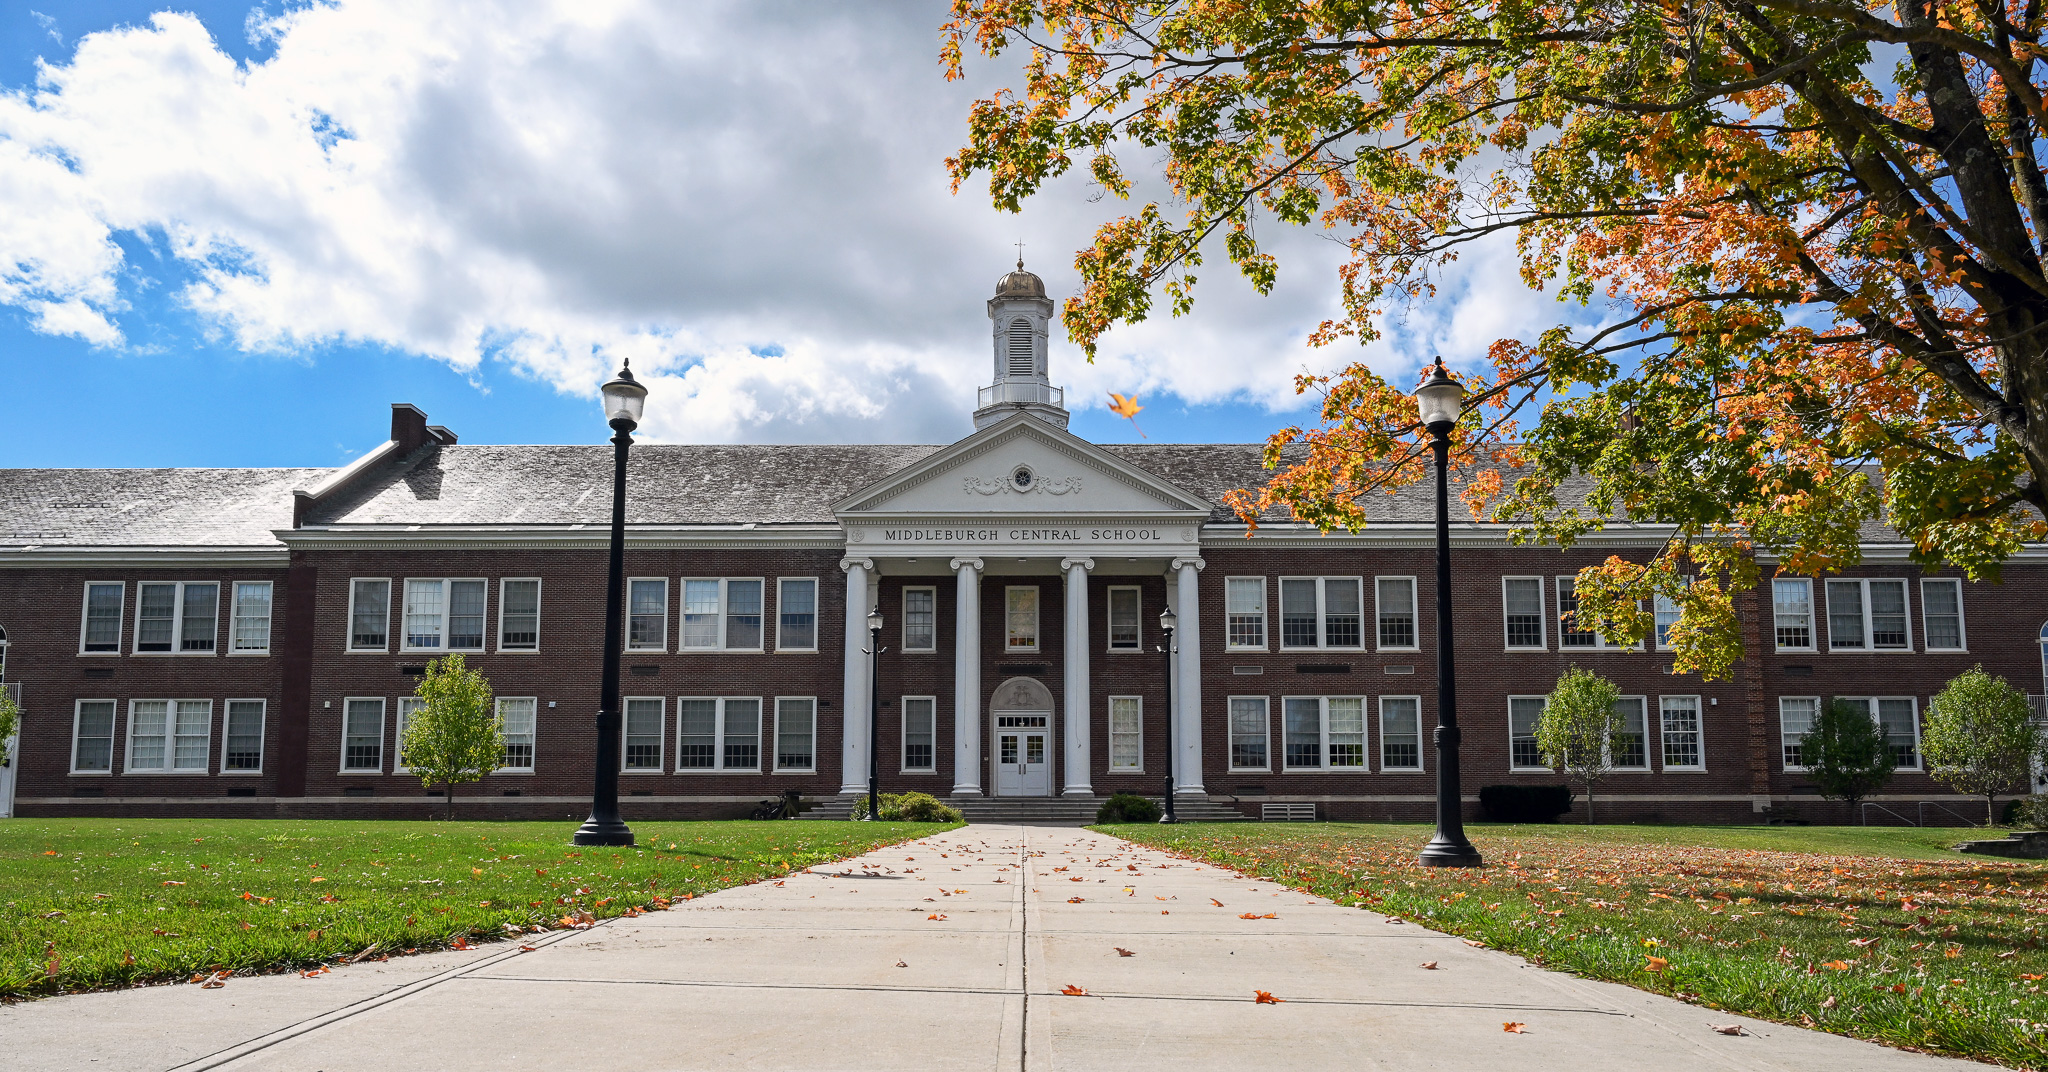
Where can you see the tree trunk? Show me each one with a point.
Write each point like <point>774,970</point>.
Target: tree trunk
<point>448,788</point>
<point>1589,803</point>
<point>1990,810</point>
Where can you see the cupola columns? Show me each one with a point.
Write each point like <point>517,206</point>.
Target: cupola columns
<point>1020,322</point>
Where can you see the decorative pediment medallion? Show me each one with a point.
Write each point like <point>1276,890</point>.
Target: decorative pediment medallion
<point>1021,694</point>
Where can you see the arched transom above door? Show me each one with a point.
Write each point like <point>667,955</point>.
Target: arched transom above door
<point>1021,694</point>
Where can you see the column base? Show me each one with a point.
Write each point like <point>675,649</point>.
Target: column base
<point>967,791</point>
<point>1082,793</point>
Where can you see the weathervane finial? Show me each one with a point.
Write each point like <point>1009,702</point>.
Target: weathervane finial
<point>1020,254</point>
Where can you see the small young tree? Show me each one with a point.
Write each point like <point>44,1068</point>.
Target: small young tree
<point>1577,730</point>
<point>455,735</point>
<point>1846,754</point>
<point>1981,737</point>
<point>10,720</point>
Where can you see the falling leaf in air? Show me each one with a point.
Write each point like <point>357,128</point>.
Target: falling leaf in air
<point>1265,997</point>
<point>1729,1029</point>
<point>1656,964</point>
<point>1073,991</point>
<point>1126,408</point>
<point>1515,1027</point>
<point>1429,964</point>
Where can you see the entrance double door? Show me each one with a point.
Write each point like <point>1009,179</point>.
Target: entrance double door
<point>1023,755</point>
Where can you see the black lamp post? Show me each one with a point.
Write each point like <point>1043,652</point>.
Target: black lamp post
<point>623,399</point>
<point>874,716</point>
<point>1166,623</point>
<point>1439,401</point>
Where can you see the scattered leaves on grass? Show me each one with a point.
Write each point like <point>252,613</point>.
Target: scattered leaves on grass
<point>1656,964</point>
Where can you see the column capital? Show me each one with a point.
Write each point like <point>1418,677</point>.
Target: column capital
<point>1069,563</point>
<point>856,563</point>
<point>971,563</point>
<point>1195,562</point>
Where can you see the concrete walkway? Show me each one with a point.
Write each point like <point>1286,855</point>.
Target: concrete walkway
<point>947,953</point>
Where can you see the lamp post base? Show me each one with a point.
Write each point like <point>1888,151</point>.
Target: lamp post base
<point>603,832</point>
<point>1443,852</point>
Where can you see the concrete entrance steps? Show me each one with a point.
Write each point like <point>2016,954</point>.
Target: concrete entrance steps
<point>1048,811</point>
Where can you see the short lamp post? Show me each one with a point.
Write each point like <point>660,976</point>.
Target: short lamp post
<point>874,715</point>
<point>623,401</point>
<point>1167,620</point>
<point>1439,401</point>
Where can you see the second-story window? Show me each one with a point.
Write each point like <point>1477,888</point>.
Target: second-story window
<point>1867,615</point>
<point>519,614</point>
<point>1792,608</point>
<point>251,630</point>
<point>920,619</point>
<point>721,614</point>
<point>1124,631</point>
<point>444,615</point>
<point>1321,612</point>
<point>101,630</point>
<point>796,609</point>
<point>1244,610</point>
<point>1396,599</point>
<point>1020,606</point>
<point>647,614</point>
<point>369,614</point>
<point>1941,614</point>
<point>176,617</point>
<point>1523,597</point>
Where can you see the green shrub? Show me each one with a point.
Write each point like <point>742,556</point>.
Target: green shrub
<point>2028,813</point>
<point>1127,808</point>
<point>908,808</point>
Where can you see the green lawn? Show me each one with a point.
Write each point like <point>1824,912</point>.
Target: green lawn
<point>1875,933</point>
<point>92,903</point>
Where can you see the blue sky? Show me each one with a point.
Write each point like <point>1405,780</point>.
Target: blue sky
<point>241,240</point>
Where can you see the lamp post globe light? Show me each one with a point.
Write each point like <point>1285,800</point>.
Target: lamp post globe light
<point>1167,620</point>
<point>874,715</point>
<point>623,400</point>
<point>1438,402</point>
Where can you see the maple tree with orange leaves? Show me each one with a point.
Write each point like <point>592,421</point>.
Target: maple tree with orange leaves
<point>1819,227</point>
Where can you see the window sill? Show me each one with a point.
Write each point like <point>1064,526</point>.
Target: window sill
<point>1530,770</point>
<point>240,774</point>
<point>173,654</point>
<point>264,654</point>
<point>517,651</point>
<point>1534,651</point>
<point>99,654</point>
<point>1296,651</point>
<point>1684,770</point>
<point>366,651</point>
<point>918,770</point>
<point>160,773</point>
<point>1253,651</point>
<point>721,651</point>
<point>700,772</point>
<point>794,770</point>
<point>91,774</point>
<point>640,772</point>
<point>1251,770</point>
<point>516,772</point>
<point>814,651</point>
<point>1871,651</point>
<point>378,773</point>
<point>1399,651</point>
<point>1402,770</point>
<point>1945,651</point>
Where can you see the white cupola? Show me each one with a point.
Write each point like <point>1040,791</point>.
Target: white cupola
<point>1020,319</point>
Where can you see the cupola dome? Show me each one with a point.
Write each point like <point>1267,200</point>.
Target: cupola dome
<point>1020,284</point>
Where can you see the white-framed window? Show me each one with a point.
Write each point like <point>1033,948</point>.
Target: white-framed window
<point>169,736</point>
<point>519,614</point>
<point>796,614</point>
<point>1522,603</point>
<point>92,737</point>
<point>1792,611</point>
<point>1867,614</point>
<point>1323,732</point>
<point>721,614</point>
<point>1569,634</point>
<point>718,733</point>
<point>1394,601</point>
<point>1629,746</point>
<point>1678,720</point>
<point>1126,632</point>
<point>643,733</point>
<point>796,734</point>
<point>1898,718</point>
<point>1126,733</point>
<point>1244,612</point>
<point>362,735</point>
<point>1020,618</point>
<point>920,618</point>
<point>518,713</point>
<point>99,620</point>
<point>249,628</point>
<point>1941,614</point>
<point>647,614</point>
<point>1321,612</point>
<point>369,613</point>
<point>1250,728</point>
<point>176,617</point>
<point>1524,712</point>
<point>1795,720</point>
<point>408,706</point>
<point>444,614</point>
<point>1666,614</point>
<point>241,737</point>
<point>920,734</point>
<point>1400,733</point>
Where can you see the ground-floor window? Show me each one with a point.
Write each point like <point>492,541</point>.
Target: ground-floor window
<point>362,735</point>
<point>718,733</point>
<point>1401,733</point>
<point>1795,719</point>
<point>1679,719</point>
<point>92,737</point>
<point>1898,717</point>
<point>1629,749</point>
<point>1126,733</point>
<point>408,706</point>
<point>641,747</point>
<point>242,738</point>
<point>517,712</point>
<point>920,734</point>
<point>1248,731</point>
<point>169,736</point>
<point>1324,732</point>
<point>1524,712</point>
<point>796,731</point>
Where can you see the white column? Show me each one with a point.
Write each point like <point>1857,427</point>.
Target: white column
<point>853,746</point>
<point>1079,703</point>
<point>1187,686</point>
<point>967,678</point>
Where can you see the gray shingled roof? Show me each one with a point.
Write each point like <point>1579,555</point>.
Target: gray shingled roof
<point>147,507</point>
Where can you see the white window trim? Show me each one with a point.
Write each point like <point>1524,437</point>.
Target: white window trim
<point>447,615</point>
<point>269,621</point>
<point>177,623</point>
<point>1037,618</point>
<point>1414,611</point>
<point>903,736</point>
<point>1870,706</point>
<point>775,740</point>
<point>817,617</point>
<point>170,739</point>
<point>262,735</point>
<point>1109,733</point>
<point>1542,598</point>
<point>724,604</point>
<point>383,751</point>
<point>114,735</point>
<point>1323,736</point>
<point>1781,729</point>
<point>498,709</point>
<point>538,587</point>
<point>1600,641</point>
<point>1323,616</point>
<point>1699,710</point>
<point>1422,738</point>
<point>1962,625</point>
<point>1812,626</point>
<point>1108,624</point>
<point>1265,615</point>
<point>661,648</point>
<point>399,720</point>
<point>348,627</point>
<point>1650,756</point>
<point>1512,767</point>
<point>718,737</point>
<point>661,739</point>
<point>1868,647</point>
<point>85,609</point>
<point>903,604</point>
<point>1230,734</point>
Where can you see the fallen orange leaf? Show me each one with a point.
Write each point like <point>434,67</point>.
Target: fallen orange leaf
<point>1656,964</point>
<point>1513,1027</point>
<point>1836,965</point>
<point>1265,997</point>
<point>1073,991</point>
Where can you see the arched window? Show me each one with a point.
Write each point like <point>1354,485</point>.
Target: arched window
<point>1021,363</point>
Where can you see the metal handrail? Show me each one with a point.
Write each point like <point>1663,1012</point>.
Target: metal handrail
<point>1866,814</point>
<point>1967,820</point>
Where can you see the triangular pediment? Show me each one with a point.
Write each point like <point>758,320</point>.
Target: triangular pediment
<point>1060,473</point>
